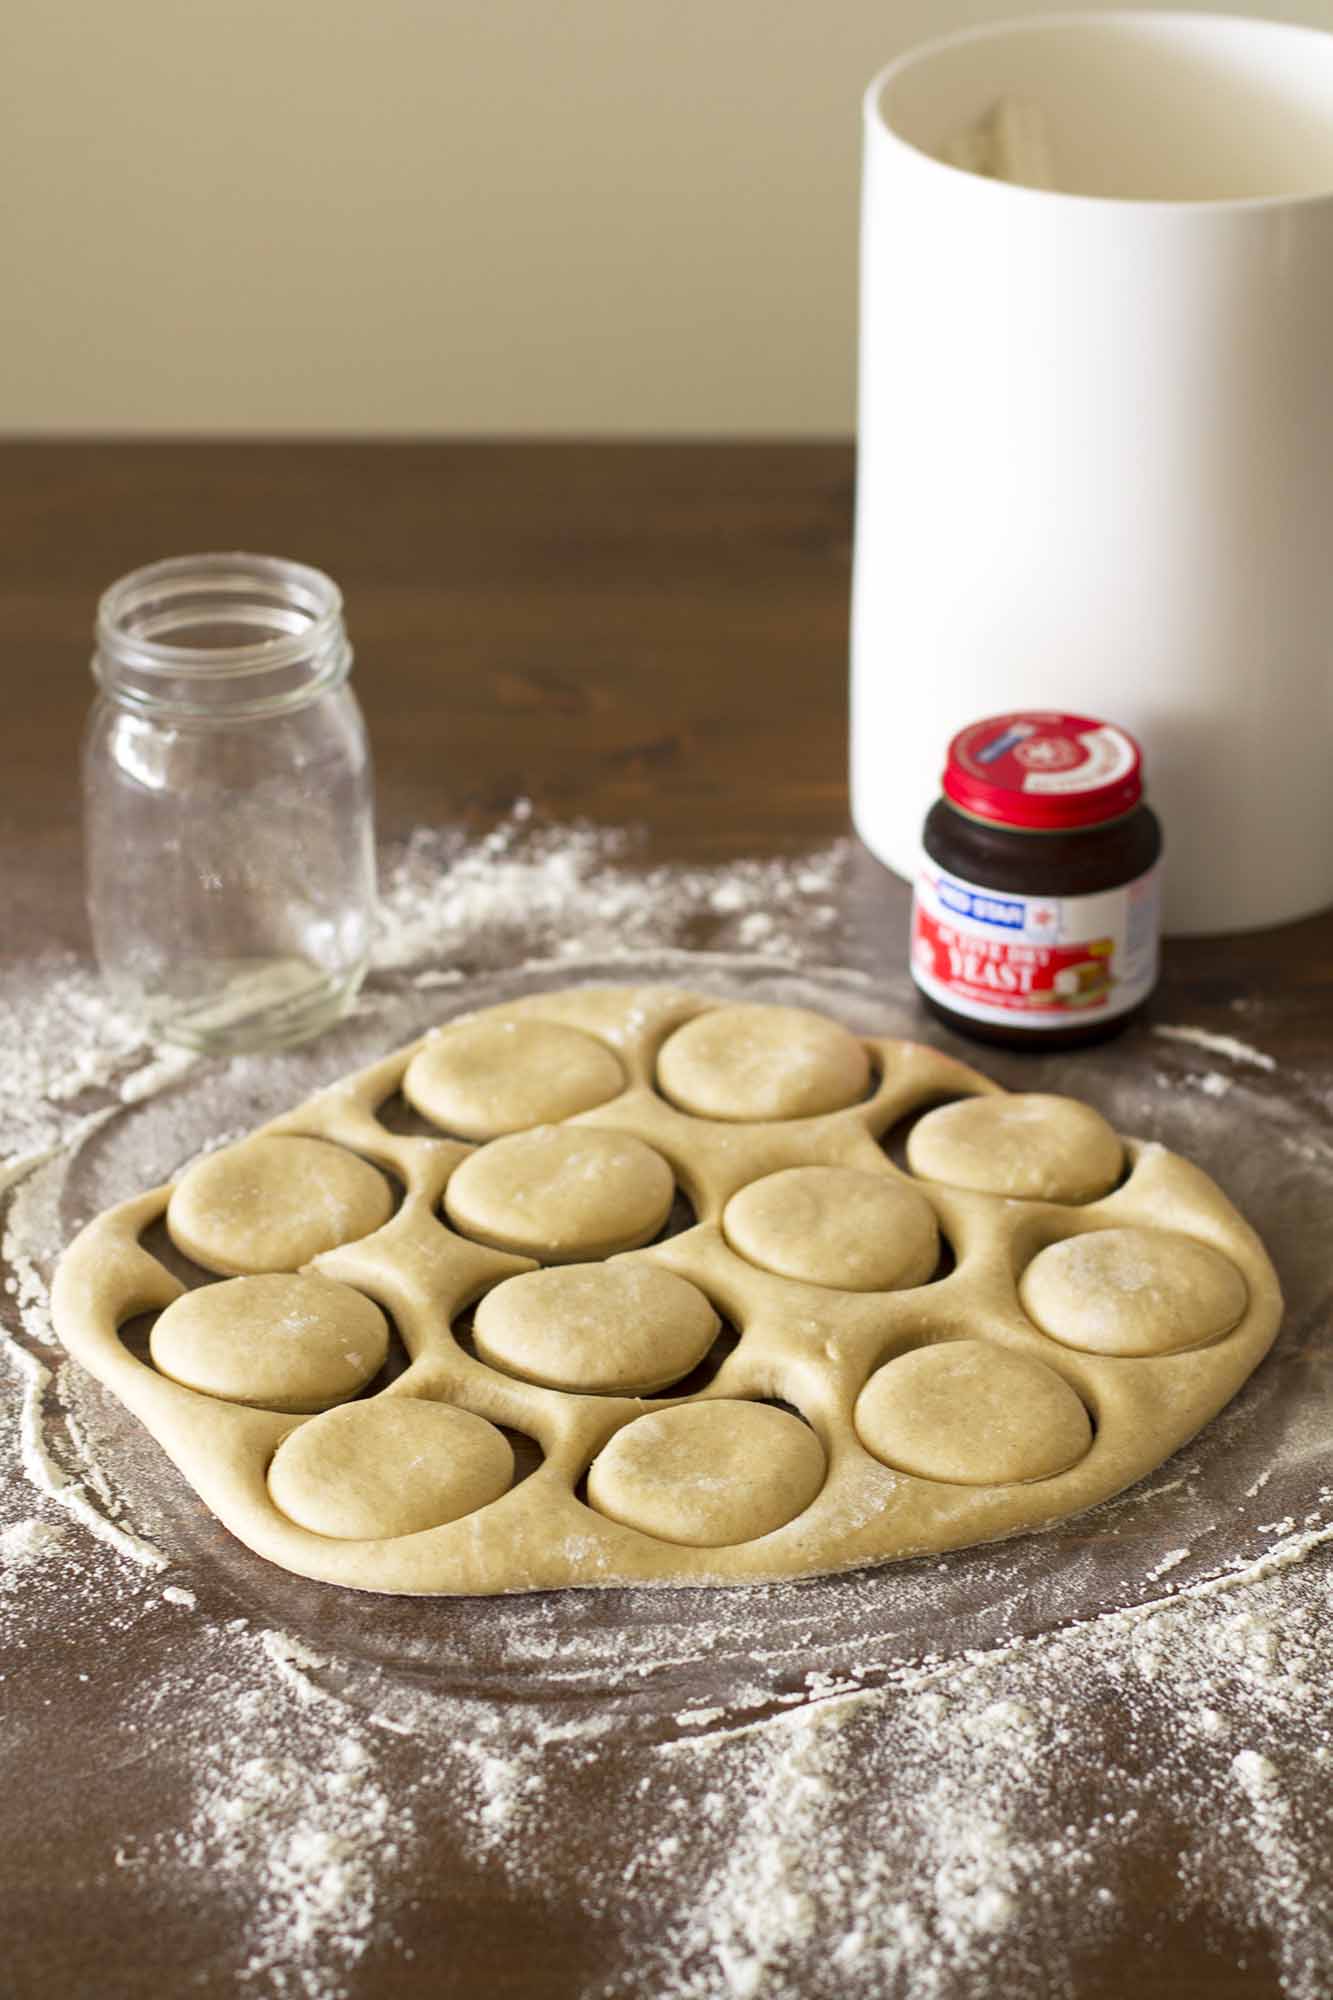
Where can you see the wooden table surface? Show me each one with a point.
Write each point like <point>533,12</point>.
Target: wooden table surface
<point>648,635</point>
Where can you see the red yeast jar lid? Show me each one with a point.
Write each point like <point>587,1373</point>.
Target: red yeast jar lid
<point>1040,769</point>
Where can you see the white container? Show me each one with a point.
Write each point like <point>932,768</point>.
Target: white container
<point>1096,435</point>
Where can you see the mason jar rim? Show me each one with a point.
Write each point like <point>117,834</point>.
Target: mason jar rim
<point>307,602</point>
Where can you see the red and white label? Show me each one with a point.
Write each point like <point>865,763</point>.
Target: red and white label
<point>1033,961</point>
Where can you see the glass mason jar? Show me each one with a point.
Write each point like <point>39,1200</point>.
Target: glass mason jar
<point>228,818</point>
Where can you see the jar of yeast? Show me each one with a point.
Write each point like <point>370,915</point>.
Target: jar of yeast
<point>1035,918</point>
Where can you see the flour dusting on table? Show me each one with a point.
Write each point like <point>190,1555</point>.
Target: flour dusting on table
<point>573,892</point>
<point>1217,1045</point>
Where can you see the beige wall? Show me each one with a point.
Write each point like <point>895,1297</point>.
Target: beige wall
<point>439,215</point>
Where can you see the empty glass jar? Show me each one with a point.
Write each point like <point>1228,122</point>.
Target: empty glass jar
<point>228,813</point>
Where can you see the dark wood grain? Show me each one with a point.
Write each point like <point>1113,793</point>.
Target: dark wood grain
<point>637,634</point>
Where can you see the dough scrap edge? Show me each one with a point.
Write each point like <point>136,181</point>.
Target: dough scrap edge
<point>540,1535</point>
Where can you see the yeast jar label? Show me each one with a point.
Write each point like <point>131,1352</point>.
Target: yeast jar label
<point>1035,961</point>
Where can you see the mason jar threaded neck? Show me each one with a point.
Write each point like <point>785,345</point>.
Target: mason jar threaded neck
<point>232,636</point>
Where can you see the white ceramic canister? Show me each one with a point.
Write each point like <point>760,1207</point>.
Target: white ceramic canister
<point>1096,433</point>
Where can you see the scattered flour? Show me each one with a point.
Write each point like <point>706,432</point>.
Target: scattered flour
<point>1217,1045</point>
<point>573,892</point>
<point>55,1072</point>
<point>26,1542</point>
<point>971,1864</point>
<point>296,1830</point>
<point>51,1478</point>
<point>295,1663</point>
<point>1213,1084</point>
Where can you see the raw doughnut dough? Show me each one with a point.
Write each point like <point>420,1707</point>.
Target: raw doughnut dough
<point>974,1413</point>
<point>708,1474</point>
<point>1133,1291</point>
<point>562,1193</point>
<point>833,1226</point>
<point>271,1204</point>
<point>752,1063</point>
<point>1031,1147</point>
<point>295,1342</point>
<point>389,1467</point>
<point>596,1327</point>
<point>485,1078</point>
<point>979,1428</point>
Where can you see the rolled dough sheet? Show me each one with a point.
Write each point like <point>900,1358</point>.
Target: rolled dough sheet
<point>837,1361</point>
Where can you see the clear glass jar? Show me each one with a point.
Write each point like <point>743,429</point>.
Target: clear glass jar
<point>228,816</point>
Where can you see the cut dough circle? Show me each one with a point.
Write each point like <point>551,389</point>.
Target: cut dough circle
<point>753,1062</point>
<point>971,1413</point>
<point>630,1327</point>
<point>484,1079</point>
<point>1133,1291</point>
<point>273,1203</point>
<point>837,1227</point>
<point>1030,1146</point>
<point>392,1466</point>
<point>707,1475</point>
<point>291,1342</point>
<point>562,1193</point>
